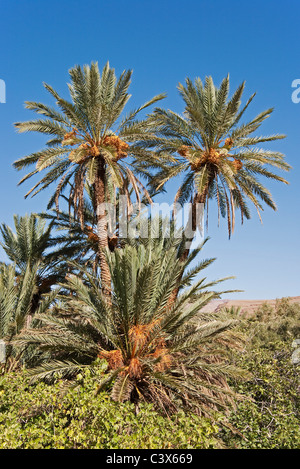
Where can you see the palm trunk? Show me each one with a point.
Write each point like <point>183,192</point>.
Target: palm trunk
<point>192,221</point>
<point>102,230</point>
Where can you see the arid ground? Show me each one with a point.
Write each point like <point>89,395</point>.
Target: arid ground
<point>246,305</point>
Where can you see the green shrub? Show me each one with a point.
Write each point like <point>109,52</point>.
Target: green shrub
<point>49,416</point>
<point>269,417</point>
<point>272,324</point>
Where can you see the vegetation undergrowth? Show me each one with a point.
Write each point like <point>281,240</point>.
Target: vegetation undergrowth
<point>269,417</point>
<point>43,416</point>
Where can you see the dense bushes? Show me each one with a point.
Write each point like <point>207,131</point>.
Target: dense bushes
<point>49,416</point>
<point>269,417</point>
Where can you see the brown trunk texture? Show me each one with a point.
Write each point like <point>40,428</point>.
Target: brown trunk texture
<point>102,230</point>
<point>198,199</point>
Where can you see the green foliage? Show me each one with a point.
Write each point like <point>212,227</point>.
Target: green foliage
<point>281,323</point>
<point>89,138</point>
<point>44,417</point>
<point>169,354</point>
<point>30,241</point>
<point>16,296</point>
<point>35,268</point>
<point>33,242</point>
<point>269,417</point>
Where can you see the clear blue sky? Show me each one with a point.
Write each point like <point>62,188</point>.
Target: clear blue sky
<point>163,42</point>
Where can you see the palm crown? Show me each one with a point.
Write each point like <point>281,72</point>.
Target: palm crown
<point>218,155</point>
<point>89,141</point>
<point>86,132</point>
<point>32,248</point>
<point>30,243</point>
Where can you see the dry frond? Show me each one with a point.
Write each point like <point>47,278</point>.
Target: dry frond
<point>139,334</point>
<point>114,358</point>
<point>165,359</point>
<point>92,236</point>
<point>135,369</point>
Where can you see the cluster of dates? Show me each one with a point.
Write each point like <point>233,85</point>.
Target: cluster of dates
<point>198,158</point>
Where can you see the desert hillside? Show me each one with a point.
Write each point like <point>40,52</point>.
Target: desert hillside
<point>245,305</point>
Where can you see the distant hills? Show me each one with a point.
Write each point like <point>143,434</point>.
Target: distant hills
<point>245,305</point>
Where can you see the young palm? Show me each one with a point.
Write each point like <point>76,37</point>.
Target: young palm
<point>89,142</point>
<point>17,295</point>
<point>218,156</point>
<point>30,246</point>
<point>15,298</point>
<point>170,356</point>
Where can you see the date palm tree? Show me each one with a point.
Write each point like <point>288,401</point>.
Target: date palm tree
<point>171,356</point>
<point>89,142</point>
<point>32,247</point>
<point>217,155</point>
<point>17,296</point>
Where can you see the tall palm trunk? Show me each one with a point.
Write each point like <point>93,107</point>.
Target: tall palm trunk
<point>102,229</point>
<point>192,222</point>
